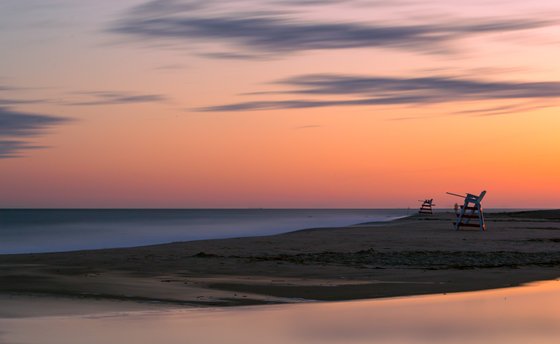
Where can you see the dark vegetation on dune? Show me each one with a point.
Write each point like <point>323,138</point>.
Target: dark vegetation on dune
<point>432,260</point>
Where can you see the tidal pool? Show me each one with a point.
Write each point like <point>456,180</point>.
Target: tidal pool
<point>525,314</point>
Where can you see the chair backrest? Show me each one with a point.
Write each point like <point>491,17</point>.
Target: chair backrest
<point>474,198</point>
<point>481,196</point>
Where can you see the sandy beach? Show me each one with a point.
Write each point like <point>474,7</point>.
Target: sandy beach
<point>411,256</point>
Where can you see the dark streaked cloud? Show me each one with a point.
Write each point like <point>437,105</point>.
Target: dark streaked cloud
<point>304,103</point>
<point>278,32</point>
<point>16,128</point>
<point>168,6</point>
<point>15,123</point>
<point>116,98</point>
<point>362,91</point>
<point>14,148</point>
<point>232,56</point>
<point>7,102</point>
<point>434,87</point>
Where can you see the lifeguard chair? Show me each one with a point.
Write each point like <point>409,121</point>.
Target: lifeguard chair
<point>470,210</point>
<point>426,208</point>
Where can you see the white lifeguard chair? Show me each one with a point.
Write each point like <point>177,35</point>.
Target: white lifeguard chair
<point>470,210</point>
<point>426,208</point>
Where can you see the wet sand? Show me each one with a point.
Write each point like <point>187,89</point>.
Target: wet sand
<point>412,256</point>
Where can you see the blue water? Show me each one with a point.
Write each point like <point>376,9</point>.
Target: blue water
<point>34,231</point>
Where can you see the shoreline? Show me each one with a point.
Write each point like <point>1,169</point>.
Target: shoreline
<point>403,257</point>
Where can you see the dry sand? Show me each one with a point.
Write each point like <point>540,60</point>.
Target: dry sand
<point>417,255</point>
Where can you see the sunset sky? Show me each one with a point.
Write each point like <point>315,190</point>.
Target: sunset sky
<point>278,103</point>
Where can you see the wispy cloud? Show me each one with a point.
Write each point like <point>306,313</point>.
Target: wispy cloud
<point>15,123</point>
<point>16,128</point>
<point>171,67</point>
<point>115,98</point>
<point>232,56</point>
<point>14,148</point>
<point>326,2</point>
<point>8,102</point>
<point>436,88</point>
<point>503,110</point>
<point>363,91</point>
<point>275,31</point>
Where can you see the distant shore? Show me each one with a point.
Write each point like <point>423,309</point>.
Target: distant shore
<point>410,256</point>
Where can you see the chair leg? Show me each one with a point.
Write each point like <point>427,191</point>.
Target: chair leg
<point>481,218</point>
<point>460,217</point>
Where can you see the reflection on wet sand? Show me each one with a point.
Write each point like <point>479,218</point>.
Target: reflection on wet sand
<point>527,314</point>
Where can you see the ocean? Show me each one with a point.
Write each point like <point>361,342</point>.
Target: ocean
<point>57,230</point>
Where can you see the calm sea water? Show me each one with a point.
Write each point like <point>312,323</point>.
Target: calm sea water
<point>33,231</point>
<point>521,315</point>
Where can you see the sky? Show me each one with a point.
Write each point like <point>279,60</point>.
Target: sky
<point>278,103</point>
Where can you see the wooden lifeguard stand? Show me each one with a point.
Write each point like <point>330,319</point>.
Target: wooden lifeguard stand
<point>426,208</point>
<point>470,210</point>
